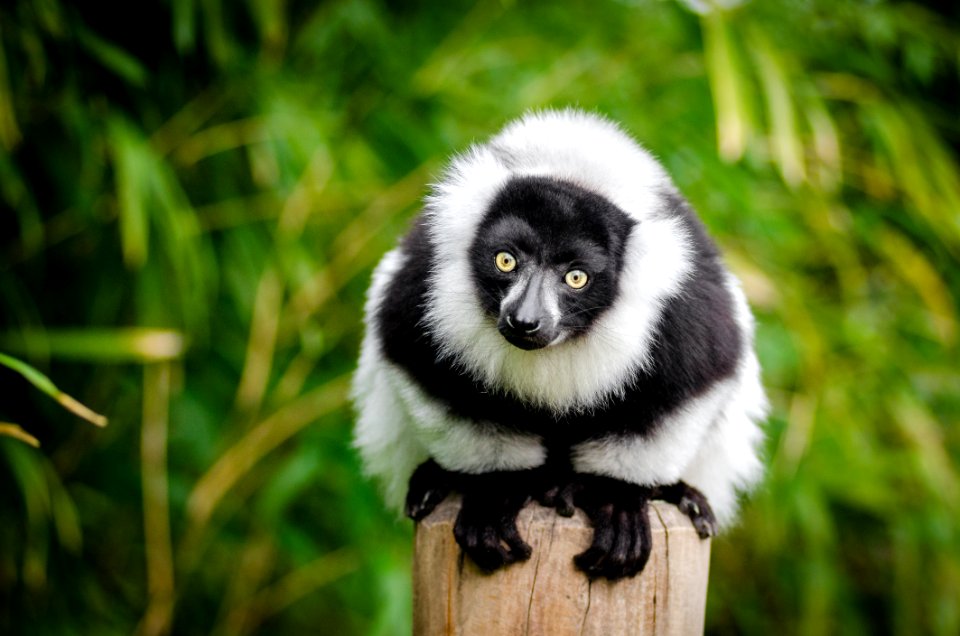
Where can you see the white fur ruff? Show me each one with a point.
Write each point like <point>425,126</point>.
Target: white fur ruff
<point>594,154</point>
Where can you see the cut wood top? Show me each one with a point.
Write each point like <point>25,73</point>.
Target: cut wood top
<point>547,594</point>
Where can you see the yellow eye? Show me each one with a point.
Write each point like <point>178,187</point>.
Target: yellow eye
<point>576,278</point>
<point>505,262</point>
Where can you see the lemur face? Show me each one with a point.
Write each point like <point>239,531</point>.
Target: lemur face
<point>546,260</point>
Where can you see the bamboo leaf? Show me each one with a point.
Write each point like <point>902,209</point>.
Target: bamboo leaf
<point>784,136</point>
<point>728,86</point>
<point>14,431</point>
<point>44,384</point>
<point>134,344</point>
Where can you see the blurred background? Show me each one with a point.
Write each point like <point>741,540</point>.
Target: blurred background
<point>193,195</point>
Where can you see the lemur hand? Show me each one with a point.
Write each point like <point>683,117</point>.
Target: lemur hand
<point>486,527</point>
<point>621,529</point>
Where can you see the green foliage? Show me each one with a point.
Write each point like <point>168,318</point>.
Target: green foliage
<point>195,192</point>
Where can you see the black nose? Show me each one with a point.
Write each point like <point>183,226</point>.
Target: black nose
<point>523,324</point>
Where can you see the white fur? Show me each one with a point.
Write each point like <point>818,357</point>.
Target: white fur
<point>460,445</point>
<point>660,458</point>
<point>383,434</point>
<point>728,457</point>
<point>711,442</point>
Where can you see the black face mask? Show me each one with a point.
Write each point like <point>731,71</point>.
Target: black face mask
<point>547,260</point>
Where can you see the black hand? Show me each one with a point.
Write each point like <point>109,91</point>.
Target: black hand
<point>692,503</point>
<point>486,527</point>
<point>559,495</point>
<point>621,529</point>
<point>429,485</point>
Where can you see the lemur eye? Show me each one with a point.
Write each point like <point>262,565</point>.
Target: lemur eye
<point>576,278</point>
<point>505,262</point>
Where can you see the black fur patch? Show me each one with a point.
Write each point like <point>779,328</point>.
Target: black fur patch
<point>697,343</point>
<point>554,227</point>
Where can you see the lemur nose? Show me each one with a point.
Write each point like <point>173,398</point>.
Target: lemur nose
<point>526,325</point>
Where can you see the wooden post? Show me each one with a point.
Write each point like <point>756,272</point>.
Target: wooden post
<point>547,595</point>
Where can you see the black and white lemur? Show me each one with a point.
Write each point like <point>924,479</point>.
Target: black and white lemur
<point>557,325</point>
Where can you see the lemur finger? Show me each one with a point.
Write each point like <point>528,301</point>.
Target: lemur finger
<point>418,509</point>
<point>694,504</point>
<point>636,554</point>
<point>520,550</point>
<point>643,544</point>
<point>564,501</point>
<point>702,517</point>
<point>481,543</point>
<point>617,563</point>
<point>591,559</point>
<point>548,497</point>
<point>464,532</point>
<point>429,485</point>
<point>490,554</point>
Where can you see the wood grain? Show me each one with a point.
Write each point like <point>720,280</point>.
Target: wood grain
<point>547,595</point>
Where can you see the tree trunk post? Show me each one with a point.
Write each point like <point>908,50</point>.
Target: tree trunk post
<point>547,595</point>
